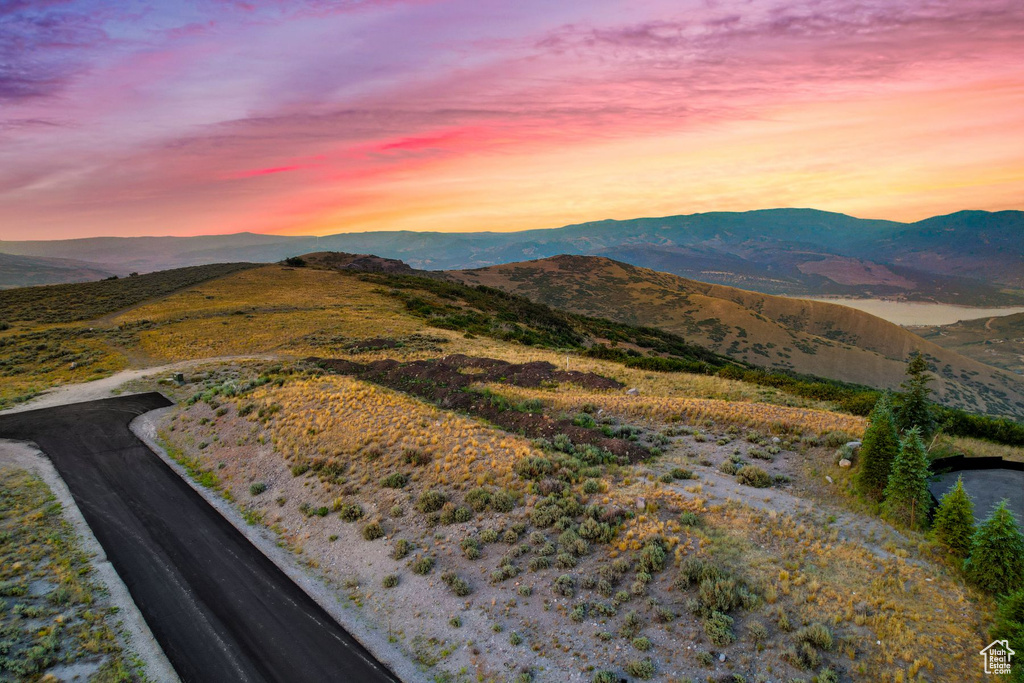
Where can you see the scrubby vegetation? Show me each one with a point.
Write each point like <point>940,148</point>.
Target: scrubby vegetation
<point>88,300</point>
<point>51,611</point>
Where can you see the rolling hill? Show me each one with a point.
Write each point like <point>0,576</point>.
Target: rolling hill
<point>969,257</point>
<point>25,271</point>
<point>802,336</point>
<point>997,341</point>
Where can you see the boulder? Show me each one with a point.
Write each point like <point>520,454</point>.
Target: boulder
<point>852,446</point>
<point>633,392</point>
<point>845,462</point>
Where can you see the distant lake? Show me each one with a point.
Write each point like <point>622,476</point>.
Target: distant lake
<point>911,313</point>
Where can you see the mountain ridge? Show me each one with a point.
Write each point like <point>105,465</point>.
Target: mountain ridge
<point>968,257</point>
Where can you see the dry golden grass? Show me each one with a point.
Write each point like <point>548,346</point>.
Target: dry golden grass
<point>895,617</point>
<point>37,357</point>
<point>370,429</point>
<point>269,309</point>
<point>978,448</point>
<point>673,409</point>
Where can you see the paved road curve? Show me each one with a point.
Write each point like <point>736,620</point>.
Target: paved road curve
<point>219,608</point>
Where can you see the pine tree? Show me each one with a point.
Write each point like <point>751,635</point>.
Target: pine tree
<point>996,562</point>
<point>1010,626</point>
<point>954,520</point>
<point>906,496</point>
<point>878,449</point>
<point>914,408</point>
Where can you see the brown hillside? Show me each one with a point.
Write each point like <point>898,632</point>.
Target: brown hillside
<point>811,337</point>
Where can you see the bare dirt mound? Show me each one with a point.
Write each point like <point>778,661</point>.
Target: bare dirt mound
<point>448,382</point>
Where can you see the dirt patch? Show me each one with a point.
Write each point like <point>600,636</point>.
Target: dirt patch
<point>448,383</point>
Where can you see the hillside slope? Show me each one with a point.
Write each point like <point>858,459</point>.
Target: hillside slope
<point>997,341</point>
<point>26,271</point>
<point>811,337</point>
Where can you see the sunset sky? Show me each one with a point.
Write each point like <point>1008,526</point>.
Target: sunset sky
<point>162,118</point>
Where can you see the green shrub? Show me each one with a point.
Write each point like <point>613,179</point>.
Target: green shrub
<point>652,555</point>
<point>390,581</point>
<point>954,520</point>
<point>680,473</point>
<point>422,565</point>
<point>591,486</point>
<point>752,475</point>
<point>470,548</point>
<point>478,499</point>
<point>350,512</point>
<point>827,675</point>
<point>402,548</point>
<point>579,612</point>
<point>996,562</point>
<point>718,628</point>
<point>538,563</point>
<point>489,536</point>
<point>718,595</point>
<point>816,634</point>
<point>514,639</point>
<point>631,625</point>
<point>300,469</point>
<point>431,501</point>
<point>907,499</point>
<point>878,450</point>
<point>257,488</point>
<point>642,643</point>
<point>1009,625</point>
<point>605,677</point>
<point>395,480</point>
<point>533,468</point>
<point>456,584</point>
<point>503,501</point>
<point>373,531</point>
<point>565,585</point>
<point>689,518</point>
<point>641,668</point>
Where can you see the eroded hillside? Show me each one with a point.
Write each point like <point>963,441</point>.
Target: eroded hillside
<point>810,337</point>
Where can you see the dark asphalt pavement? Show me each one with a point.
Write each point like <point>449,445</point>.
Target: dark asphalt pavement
<point>220,609</point>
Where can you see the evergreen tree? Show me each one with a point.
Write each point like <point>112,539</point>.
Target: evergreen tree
<point>914,408</point>
<point>878,449</point>
<point>906,496</point>
<point>996,562</point>
<point>1010,626</point>
<point>954,520</point>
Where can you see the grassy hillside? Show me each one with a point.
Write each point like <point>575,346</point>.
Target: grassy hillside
<point>997,341</point>
<point>72,302</point>
<point>648,510</point>
<point>803,336</point>
<point>26,271</point>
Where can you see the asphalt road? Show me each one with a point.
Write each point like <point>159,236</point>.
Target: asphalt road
<point>220,609</point>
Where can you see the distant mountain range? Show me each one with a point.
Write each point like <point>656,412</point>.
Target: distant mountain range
<point>809,337</point>
<point>24,271</point>
<point>969,257</point>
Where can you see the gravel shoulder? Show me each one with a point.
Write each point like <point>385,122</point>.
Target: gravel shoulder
<point>137,639</point>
